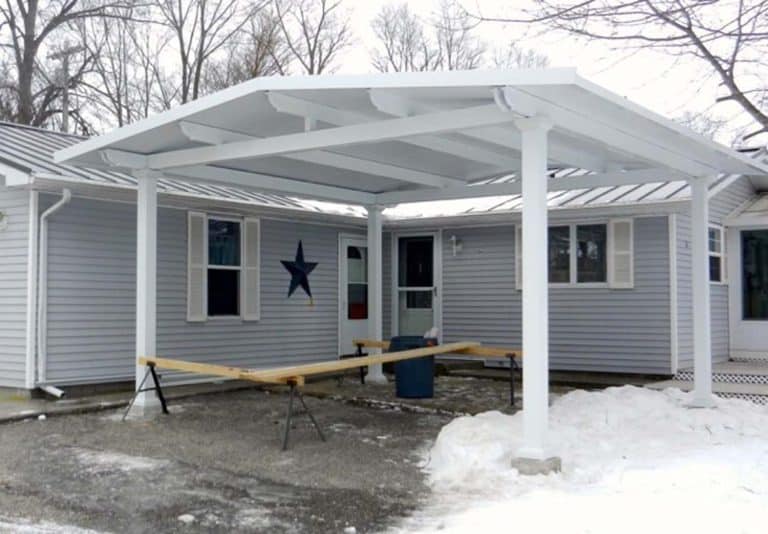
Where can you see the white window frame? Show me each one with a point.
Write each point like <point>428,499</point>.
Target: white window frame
<point>721,255</point>
<point>241,289</point>
<point>572,249</point>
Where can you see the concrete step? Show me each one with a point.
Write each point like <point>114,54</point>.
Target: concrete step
<point>757,393</point>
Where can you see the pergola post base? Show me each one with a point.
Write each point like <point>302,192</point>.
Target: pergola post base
<point>702,402</point>
<point>532,466</point>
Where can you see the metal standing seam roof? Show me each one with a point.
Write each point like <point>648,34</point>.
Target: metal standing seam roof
<point>31,149</point>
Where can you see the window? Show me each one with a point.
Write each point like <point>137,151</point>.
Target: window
<point>577,254</point>
<point>224,267</point>
<point>586,254</point>
<point>716,255</point>
<point>591,258</point>
<point>357,282</point>
<point>559,254</point>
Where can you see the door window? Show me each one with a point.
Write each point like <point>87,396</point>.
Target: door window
<point>754,262</point>
<point>357,283</point>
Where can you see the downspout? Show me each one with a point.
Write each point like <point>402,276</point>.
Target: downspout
<point>42,302</point>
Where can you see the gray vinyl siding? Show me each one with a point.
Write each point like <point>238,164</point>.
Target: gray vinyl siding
<point>591,329</point>
<point>720,206</point>
<point>684,292</point>
<point>14,250</point>
<point>92,297</point>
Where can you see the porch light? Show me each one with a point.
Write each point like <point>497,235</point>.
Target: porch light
<point>457,245</point>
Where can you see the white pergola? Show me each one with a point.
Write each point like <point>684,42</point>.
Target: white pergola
<point>379,140</point>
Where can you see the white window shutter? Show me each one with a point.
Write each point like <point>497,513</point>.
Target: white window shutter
<point>251,286</point>
<point>197,253</point>
<point>621,272</point>
<point>518,256</point>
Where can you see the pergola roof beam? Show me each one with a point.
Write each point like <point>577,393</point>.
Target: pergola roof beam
<point>304,108</point>
<point>243,179</point>
<point>392,104</point>
<point>371,132</point>
<point>273,184</point>
<point>588,123</point>
<point>587,181</point>
<point>218,136</point>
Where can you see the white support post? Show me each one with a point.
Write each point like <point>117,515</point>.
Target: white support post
<point>146,281</point>
<point>702,345</point>
<point>375,292</point>
<point>535,287</point>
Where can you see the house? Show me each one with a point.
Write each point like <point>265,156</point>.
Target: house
<point>226,208</point>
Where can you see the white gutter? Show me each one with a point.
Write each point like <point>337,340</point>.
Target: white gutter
<point>42,286</point>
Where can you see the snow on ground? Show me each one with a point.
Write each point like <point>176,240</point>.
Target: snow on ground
<point>26,526</point>
<point>634,460</point>
<point>103,462</point>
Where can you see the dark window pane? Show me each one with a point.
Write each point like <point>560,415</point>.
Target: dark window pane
<point>714,240</point>
<point>416,262</point>
<point>715,269</point>
<point>754,261</point>
<point>223,292</point>
<point>357,301</point>
<point>418,300</point>
<point>591,264</point>
<point>223,242</point>
<point>560,254</point>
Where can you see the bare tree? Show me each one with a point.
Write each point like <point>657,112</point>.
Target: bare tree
<point>259,50</point>
<point>403,43</point>
<point>125,72</point>
<point>201,28</point>
<point>729,38</point>
<point>515,57</point>
<point>29,25</point>
<point>315,31</point>
<point>459,47</point>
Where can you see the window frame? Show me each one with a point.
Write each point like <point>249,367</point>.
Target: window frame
<point>240,268</point>
<point>722,255</point>
<point>573,259</point>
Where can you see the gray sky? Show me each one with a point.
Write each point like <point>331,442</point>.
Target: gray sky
<point>648,78</point>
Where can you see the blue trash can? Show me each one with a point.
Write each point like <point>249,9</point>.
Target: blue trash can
<point>414,379</point>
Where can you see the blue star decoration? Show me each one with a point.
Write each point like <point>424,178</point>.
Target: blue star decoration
<point>299,270</point>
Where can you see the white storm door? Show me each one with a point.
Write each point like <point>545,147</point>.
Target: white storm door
<point>748,291</point>
<point>416,299</point>
<point>353,282</point>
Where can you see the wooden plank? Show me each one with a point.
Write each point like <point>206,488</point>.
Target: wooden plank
<point>237,373</point>
<point>281,375</point>
<point>353,363</point>
<point>490,352</point>
<point>480,351</point>
<point>374,343</point>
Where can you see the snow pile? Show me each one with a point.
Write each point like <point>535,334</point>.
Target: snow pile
<point>634,460</point>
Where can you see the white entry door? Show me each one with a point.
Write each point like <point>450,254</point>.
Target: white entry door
<point>748,292</point>
<point>353,292</point>
<point>416,303</point>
